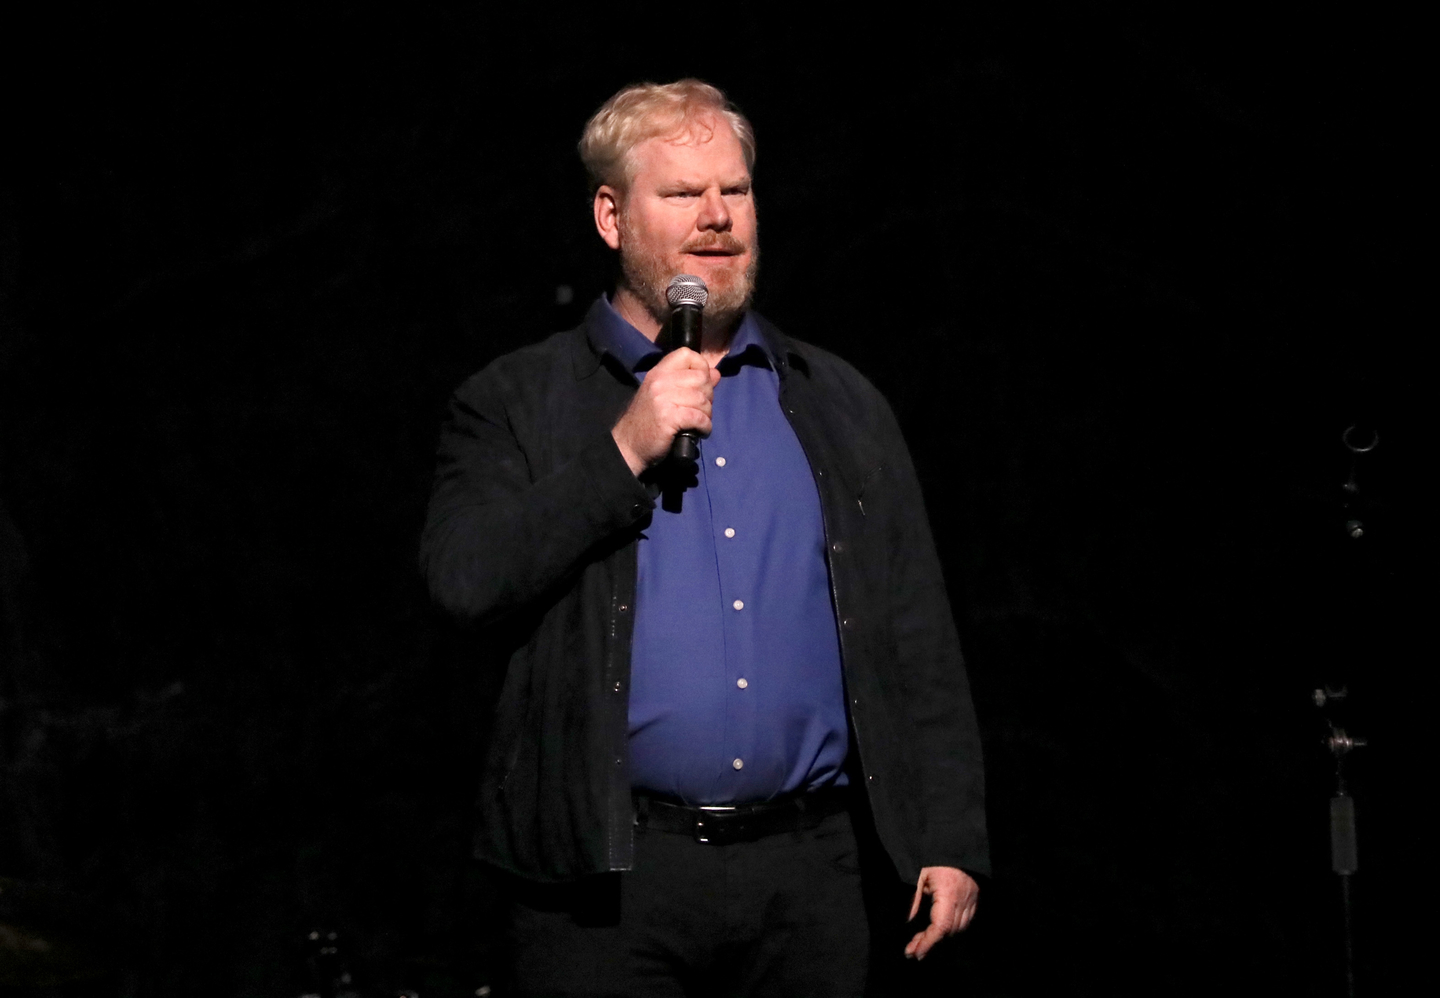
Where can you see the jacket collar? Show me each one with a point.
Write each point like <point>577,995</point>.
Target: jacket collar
<point>786,354</point>
<point>586,353</point>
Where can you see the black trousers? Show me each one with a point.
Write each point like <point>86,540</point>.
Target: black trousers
<point>781,916</point>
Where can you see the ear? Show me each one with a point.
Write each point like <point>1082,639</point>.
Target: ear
<point>607,215</point>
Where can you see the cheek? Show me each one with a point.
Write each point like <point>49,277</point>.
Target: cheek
<point>744,223</point>
<point>661,232</point>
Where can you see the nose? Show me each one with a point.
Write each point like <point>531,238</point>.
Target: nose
<point>714,213</point>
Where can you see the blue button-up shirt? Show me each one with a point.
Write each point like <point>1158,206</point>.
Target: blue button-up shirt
<point>736,693</point>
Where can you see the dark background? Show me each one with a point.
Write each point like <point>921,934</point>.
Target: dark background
<point>1126,277</point>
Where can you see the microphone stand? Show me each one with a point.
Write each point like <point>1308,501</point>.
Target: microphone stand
<point>1344,853</point>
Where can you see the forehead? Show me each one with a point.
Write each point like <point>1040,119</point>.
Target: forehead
<point>702,149</point>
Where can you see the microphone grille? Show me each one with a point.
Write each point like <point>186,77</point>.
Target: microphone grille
<point>687,289</point>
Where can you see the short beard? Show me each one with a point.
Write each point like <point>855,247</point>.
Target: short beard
<point>647,276</point>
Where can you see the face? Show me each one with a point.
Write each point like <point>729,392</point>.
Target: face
<point>689,209</point>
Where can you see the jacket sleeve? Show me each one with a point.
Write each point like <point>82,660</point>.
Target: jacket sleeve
<point>498,535</point>
<point>937,689</point>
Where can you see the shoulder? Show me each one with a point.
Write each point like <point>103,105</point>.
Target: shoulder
<point>830,373</point>
<point>560,355</point>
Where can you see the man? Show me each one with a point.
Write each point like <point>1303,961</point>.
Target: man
<point>705,701</point>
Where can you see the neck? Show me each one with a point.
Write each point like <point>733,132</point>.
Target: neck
<point>715,337</point>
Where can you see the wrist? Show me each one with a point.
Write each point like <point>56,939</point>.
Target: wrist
<point>635,461</point>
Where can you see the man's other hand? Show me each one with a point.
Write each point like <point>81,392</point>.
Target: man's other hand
<point>676,395</point>
<point>953,895</point>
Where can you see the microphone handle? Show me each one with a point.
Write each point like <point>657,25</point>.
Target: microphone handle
<point>685,324</point>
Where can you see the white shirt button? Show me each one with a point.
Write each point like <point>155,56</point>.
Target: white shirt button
<point>738,764</point>
<point>729,531</point>
<point>742,682</point>
<point>719,462</point>
<point>739,604</point>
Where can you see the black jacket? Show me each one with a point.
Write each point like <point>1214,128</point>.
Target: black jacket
<point>532,533</point>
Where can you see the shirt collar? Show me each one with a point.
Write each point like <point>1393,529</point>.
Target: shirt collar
<point>612,334</point>
<point>748,335</point>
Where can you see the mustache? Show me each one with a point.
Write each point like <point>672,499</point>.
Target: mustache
<point>722,242</point>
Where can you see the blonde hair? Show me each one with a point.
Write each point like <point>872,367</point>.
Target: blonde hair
<point>646,110</point>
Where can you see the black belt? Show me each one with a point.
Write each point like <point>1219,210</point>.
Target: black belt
<point>741,822</point>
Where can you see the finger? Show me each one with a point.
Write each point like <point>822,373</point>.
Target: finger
<point>684,389</point>
<point>944,914</point>
<point>694,400</point>
<point>927,939</point>
<point>683,394</point>
<point>915,905</point>
<point>684,357</point>
<point>689,418</point>
<point>676,362</point>
<point>965,917</point>
<point>676,405</point>
<point>681,378</point>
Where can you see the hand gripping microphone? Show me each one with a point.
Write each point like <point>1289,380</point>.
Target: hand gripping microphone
<point>687,296</point>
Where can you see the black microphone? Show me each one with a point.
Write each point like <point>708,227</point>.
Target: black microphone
<point>687,296</point>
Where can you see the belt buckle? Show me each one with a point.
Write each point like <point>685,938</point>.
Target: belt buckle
<point>710,821</point>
